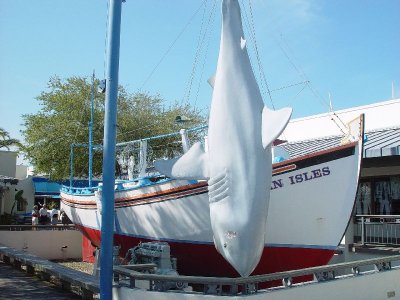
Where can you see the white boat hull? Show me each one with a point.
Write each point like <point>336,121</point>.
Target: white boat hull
<point>312,198</point>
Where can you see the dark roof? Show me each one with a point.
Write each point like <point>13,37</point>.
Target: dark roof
<point>7,179</point>
<point>384,142</point>
<point>380,142</point>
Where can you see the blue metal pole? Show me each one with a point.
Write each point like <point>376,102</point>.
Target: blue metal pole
<point>91,133</point>
<point>110,124</point>
<point>71,165</point>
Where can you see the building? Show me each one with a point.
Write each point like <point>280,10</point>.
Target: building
<point>376,215</point>
<point>46,191</point>
<point>14,178</point>
<point>377,116</point>
<point>379,189</point>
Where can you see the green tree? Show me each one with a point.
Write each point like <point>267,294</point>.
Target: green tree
<point>65,114</point>
<point>6,141</point>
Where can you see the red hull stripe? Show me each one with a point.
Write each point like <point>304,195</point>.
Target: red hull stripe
<point>204,260</point>
<point>287,168</point>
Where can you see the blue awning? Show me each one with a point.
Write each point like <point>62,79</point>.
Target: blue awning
<point>43,186</point>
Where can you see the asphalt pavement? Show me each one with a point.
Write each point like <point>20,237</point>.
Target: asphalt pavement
<point>16,284</point>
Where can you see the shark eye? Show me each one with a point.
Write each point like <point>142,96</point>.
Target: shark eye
<point>225,245</point>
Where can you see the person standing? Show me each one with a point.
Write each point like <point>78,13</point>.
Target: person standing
<point>54,216</point>
<point>43,215</point>
<point>64,218</point>
<point>35,216</point>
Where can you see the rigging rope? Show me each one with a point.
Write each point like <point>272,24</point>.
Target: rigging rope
<point>290,85</point>
<point>253,38</point>
<point>143,127</point>
<point>200,46</point>
<point>308,84</point>
<point>171,46</point>
<point>211,25</point>
<point>197,54</point>
<point>78,128</point>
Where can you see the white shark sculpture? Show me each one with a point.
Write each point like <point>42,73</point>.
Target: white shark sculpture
<point>238,162</point>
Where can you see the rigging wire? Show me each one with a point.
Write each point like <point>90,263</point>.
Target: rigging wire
<point>298,93</point>
<point>143,127</point>
<point>247,24</point>
<point>206,36</point>
<point>78,126</point>
<point>246,21</point>
<point>211,25</point>
<point>253,37</point>
<point>197,54</point>
<point>308,84</point>
<point>264,82</point>
<point>290,85</point>
<point>172,45</point>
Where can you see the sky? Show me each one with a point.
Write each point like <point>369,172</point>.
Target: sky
<point>346,49</point>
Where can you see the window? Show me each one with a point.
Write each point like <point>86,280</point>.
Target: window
<point>379,196</point>
<point>21,205</point>
<point>395,194</point>
<point>363,199</point>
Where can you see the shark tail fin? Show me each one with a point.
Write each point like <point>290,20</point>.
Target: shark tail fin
<point>192,165</point>
<point>279,119</point>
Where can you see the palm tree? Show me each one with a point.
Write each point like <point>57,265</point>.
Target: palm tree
<point>6,141</point>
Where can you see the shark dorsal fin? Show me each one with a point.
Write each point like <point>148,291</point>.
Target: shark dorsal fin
<point>273,124</point>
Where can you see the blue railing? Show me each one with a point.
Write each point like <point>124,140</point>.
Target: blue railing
<point>79,191</point>
<point>120,185</point>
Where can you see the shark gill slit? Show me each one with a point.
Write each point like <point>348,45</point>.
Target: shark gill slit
<point>214,180</point>
<point>215,190</point>
<point>221,196</point>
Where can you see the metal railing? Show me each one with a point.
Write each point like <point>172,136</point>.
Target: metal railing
<point>377,229</point>
<point>128,276</point>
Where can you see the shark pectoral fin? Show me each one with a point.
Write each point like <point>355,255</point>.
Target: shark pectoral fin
<point>211,81</point>
<point>273,124</point>
<point>242,43</point>
<point>192,165</point>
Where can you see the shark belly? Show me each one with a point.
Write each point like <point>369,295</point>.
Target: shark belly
<point>239,179</point>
